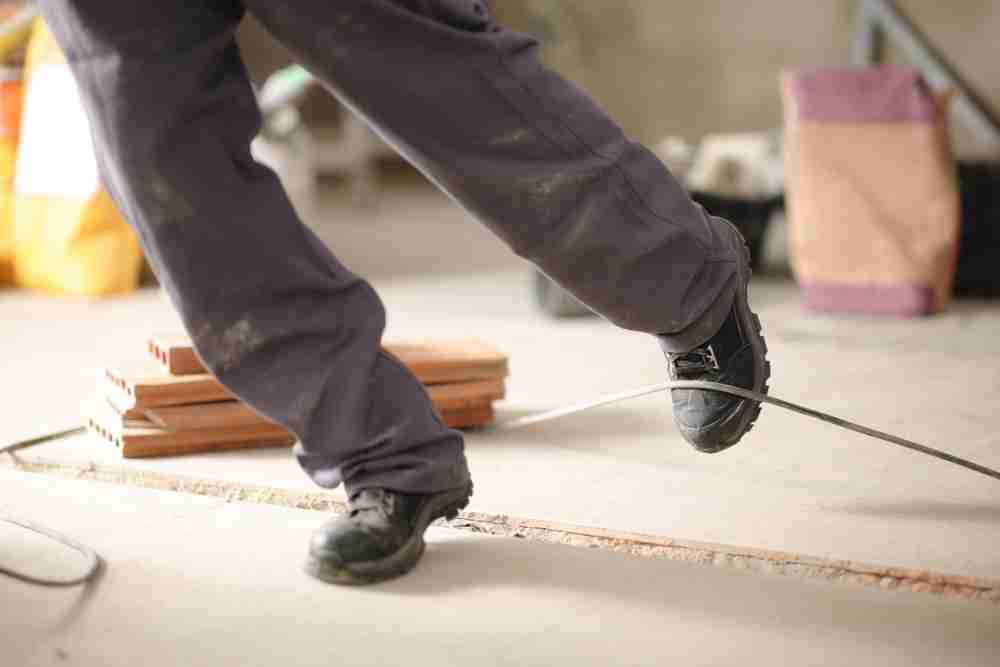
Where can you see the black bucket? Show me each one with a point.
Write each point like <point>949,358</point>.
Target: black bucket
<point>749,215</point>
<point>978,270</point>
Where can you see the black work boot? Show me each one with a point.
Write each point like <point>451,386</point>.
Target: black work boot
<point>736,355</point>
<point>381,536</point>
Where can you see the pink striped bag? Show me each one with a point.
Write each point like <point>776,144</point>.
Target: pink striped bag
<point>872,191</point>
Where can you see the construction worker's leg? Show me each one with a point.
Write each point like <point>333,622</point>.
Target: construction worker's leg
<point>523,150</point>
<point>271,312</point>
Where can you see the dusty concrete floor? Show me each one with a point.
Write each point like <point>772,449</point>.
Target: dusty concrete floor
<point>199,581</point>
<point>792,486</point>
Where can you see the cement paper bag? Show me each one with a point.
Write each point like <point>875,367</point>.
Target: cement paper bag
<point>872,191</point>
<point>68,236</point>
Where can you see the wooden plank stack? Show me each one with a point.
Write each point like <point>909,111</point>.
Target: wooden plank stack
<point>169,404</point>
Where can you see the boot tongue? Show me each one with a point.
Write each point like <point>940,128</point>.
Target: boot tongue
<point>371,499</point>
<point>729,339</point>
<point>713,355</point>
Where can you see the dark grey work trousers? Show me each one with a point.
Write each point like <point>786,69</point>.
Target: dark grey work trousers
<point>272,313</point>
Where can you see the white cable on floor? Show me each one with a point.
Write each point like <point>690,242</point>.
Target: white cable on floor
<point>93,560</point>
<point>751,396</point>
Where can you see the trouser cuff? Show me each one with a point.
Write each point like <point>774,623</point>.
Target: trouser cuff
<point>706,326</point>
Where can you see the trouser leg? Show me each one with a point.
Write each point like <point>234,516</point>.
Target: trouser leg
<point>271,312</point>
<point>523,150</point>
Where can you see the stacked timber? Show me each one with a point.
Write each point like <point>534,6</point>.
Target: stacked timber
<point>169,404</point>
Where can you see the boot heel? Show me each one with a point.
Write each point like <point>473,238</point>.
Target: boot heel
<point>451,512</point>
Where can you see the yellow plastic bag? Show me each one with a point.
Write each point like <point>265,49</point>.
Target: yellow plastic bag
<point>10,121</point>
<point>68,236</point>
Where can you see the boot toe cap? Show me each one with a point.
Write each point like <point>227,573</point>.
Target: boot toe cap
<point>712,426</point>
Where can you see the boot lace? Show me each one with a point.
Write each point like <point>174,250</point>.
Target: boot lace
<point>695,363</point>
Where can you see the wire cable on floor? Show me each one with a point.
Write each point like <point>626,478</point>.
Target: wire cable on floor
<point>750,396</point>
<point>93,560</point>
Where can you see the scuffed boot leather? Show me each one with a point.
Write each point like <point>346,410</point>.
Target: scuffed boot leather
<point>381,536</point>
<point>736,355</point>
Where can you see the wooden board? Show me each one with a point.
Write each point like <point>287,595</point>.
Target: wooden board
<point>220,426</point>
<point>459,395</point>
<point>142,385</point>
<point>433,362</point>
<point>175,355</point>
<point>441,362</point>
<point>137,388</point>
<point>127,414</point>
<point>457,411</point>
<point>121,420</point>
<point>205,415</point>
<point>471,416</point>
<point>236,414</point>
<point>138,439</point>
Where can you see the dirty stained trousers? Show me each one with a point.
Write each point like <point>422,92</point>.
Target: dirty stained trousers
<point>272,313</point>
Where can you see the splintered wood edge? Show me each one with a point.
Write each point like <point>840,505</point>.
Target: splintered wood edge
<point>549,532</point>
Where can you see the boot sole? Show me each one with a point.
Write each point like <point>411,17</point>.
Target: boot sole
<point>751,324</point>
<point>447,504</point>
